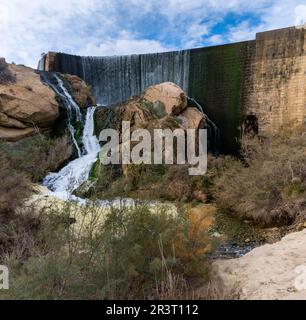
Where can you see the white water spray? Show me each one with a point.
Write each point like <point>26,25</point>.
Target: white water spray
<point>67,180</point>
<point>73,110</point>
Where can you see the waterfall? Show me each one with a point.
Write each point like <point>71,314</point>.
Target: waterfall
<point>73,110</point>
<point>41,63</point>
<point>214,131</point>
<point>68,179</point>
<point>116,79</point>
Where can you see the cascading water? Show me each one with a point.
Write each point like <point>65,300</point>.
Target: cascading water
<point>116,79</point>
<point>41,63</point>
<point>73,110</point>
<point>214,131</point>
<point>63,183</point>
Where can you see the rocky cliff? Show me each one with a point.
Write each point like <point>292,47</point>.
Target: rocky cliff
<point>29,106</point>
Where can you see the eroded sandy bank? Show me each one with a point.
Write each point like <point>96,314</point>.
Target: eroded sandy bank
<point>269,272</point>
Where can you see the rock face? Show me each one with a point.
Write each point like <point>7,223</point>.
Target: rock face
<point>192,118</point>
<point>269,272</point>
<point>26,105</point>
<point>144,112</point>
<point>168,93</point>
<point>81,91</point>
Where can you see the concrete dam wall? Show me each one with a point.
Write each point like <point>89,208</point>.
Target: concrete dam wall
<point>264,79</point>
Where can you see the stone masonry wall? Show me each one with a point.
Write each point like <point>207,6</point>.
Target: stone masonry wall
<point>275,86</point>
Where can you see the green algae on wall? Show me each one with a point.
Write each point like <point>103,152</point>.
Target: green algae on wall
<point>214,76</point>
<point>216,81</point>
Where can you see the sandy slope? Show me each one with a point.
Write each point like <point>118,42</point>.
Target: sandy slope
<point>268,272</point>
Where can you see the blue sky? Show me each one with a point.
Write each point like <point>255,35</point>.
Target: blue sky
<point>114,27</point>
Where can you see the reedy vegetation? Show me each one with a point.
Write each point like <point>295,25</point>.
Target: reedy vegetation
<point>269,186</point>
<point>136,252</point>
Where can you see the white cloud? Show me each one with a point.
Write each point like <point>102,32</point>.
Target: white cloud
<point>243,31</point>
<point>94,27</point>
<point>123,47</point>
<point>215,39</point>
<point>300,15</point>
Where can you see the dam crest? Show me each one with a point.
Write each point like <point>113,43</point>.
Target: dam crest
<point>263,79</point>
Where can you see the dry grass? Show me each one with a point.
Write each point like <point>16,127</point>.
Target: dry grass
<point>133,254</point>
<point>270,185</point>
<point>21,165</point>
<point>39,155</point>
<point>14,186</point>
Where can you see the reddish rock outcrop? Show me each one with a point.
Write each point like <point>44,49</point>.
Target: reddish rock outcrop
<point>142,114</point>
<point>80,90</point>
<point>26,105</point>
<point>192,118</point>
<point>168,93</point>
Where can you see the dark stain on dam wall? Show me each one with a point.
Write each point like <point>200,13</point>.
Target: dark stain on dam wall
<point>216,81</point>
<point>263,78</point>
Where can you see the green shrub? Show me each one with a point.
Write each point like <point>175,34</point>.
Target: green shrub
<point>39,155</point>
<point>131,255</point>
<point>270,185</point>
<point>14,186</point>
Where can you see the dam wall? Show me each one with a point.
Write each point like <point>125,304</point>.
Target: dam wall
<point>275,84</point>
<point>263,79</point>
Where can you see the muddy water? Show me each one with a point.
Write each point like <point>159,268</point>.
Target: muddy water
<point>234,237</point>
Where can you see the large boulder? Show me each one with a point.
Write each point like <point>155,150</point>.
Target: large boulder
<point>144,112</point>
<point>81,92</point>
<point>170,95</point>
<point>26,104</point>
<point>192,118</point>
<point>131,110</point>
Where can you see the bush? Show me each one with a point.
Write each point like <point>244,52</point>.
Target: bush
<point>5,74</point>
<point>269,186</point>
<point>132,254</point>
<point>20,165</point>
<point>166,182</point>
<point>39,155</point>
<point>14,186</point>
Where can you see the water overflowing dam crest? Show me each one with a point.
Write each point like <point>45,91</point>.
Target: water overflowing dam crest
<point>116,79</point>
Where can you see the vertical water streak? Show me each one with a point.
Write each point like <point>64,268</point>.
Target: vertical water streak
<point>41,63</point>
<point>68,179</point>
<point>161,67</point>
<point>212,126</point>
<point>72,105</point>
<point>116,79</point>
<point>73,110</point>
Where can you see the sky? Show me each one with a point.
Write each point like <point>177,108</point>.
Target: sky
<point>116,27</point>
